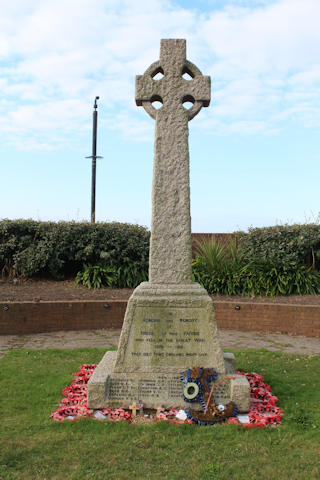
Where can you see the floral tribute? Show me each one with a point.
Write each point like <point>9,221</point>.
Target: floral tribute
<point>263,404</point>
<point>74,402</point>
<point>196,389</point>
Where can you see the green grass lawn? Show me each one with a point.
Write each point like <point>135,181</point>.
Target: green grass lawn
<point>32,446</point>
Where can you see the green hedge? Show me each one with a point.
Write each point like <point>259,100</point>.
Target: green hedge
<point>268,261</point>
<point>59,250</point>
<point>286,243</point>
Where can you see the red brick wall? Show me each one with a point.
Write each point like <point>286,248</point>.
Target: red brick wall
<point>269,318</point>
<point>35,317</point>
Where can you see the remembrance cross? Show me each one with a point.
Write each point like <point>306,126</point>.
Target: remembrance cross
<point>169,324</point>
<point>170,246</point>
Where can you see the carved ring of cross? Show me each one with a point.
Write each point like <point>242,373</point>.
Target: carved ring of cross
<point>188,68</point>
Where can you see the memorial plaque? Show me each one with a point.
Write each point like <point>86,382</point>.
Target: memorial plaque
<point>149,390</point>
<point>166,338</point>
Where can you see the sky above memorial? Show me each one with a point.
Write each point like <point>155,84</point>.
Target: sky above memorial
<point>254,152</point>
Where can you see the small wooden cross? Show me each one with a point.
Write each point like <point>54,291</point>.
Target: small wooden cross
<point>134,407</point>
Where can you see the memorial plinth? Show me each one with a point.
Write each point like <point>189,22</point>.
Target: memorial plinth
<point>169,323</point>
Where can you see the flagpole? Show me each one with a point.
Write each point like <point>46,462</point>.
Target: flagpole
<point>94,160</point>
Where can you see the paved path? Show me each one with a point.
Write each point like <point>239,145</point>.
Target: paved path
<point>230,339</point>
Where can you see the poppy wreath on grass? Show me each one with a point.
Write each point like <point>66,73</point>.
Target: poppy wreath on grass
<point>263,404</point>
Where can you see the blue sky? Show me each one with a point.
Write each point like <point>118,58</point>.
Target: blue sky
<point>254,153</point>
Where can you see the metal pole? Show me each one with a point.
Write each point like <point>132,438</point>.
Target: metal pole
<point>94,161</point>
<point>94,157</point>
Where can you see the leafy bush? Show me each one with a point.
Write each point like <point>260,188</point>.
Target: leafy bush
<point>287,243</point>
<point>130,276</point>
<point>224,270</point>
<point>60,249</point>
<point>217,255</point>
<point>217,265</point>
<point>272,277</point>
<point>95,276</point>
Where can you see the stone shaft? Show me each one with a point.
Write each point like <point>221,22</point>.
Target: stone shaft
<point>170,244</point>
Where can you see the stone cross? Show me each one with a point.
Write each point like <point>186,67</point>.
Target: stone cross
<point>169,324</point>
<point>170,244</point>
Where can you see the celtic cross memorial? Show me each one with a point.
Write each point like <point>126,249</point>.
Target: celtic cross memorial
<point>169,325</point>
<point>170,247</point>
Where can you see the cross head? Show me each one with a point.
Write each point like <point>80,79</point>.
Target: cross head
<point>172,90</point>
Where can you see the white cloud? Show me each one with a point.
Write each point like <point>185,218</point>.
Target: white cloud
<point>55,56</point>
<point>265,60</point>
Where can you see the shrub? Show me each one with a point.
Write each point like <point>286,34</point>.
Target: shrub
<point>60,249</point>
<point>224,270</point>
<point>286,243</point>
<point>272,277</point>
<point>217,264</point>
<point>96,276</point>
<point>130,276</point>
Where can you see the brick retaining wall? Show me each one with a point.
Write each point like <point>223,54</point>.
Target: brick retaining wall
<point>35,317</point>
<point>269,318</point>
